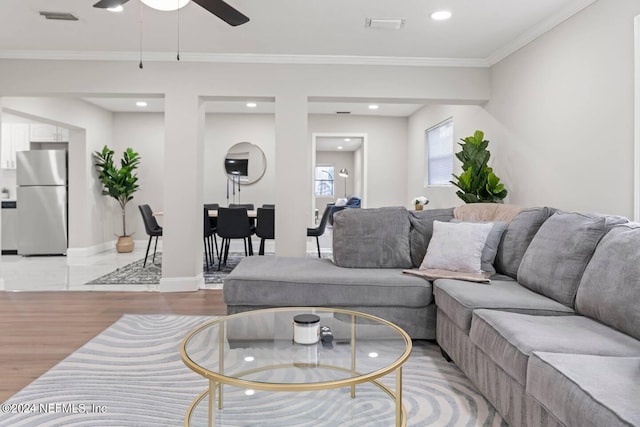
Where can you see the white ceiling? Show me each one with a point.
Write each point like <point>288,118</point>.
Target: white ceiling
<point>480,33</point>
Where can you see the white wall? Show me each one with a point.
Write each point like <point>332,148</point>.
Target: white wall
<point>386,153</point>
<point>144,133</point>
<point>466,120</point>
<point>562,108</point>
<point>222,132</point>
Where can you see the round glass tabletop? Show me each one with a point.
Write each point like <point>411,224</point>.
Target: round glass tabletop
<point>256,350</point>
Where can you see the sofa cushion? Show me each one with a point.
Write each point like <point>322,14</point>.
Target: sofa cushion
<point>491,245</point>
<point>486,212</point>
<point>372,238</point>
<point>510,338</point>
<point>458,299</point>
<point>457,246</point>
<point>516,239</point>
<point>558,254</point>
<point>285,282</point>
<point>422,230</point>
<point>610,287</point>
<point>585,390</point>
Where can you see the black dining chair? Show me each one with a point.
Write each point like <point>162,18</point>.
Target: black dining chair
<point>319,230</point>
<point>152,228</point>
<point>233,223</point>
<point>213,221</point>
<point>208,236</point>
<point>247,206</point>
<point>265,229</point>
<point>268,206</point>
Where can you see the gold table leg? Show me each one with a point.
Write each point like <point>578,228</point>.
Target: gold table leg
<point>399,397</point>
<point>211,398</point>
<point>353,353</point>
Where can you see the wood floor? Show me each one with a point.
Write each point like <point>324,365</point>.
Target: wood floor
<point>39,329</point>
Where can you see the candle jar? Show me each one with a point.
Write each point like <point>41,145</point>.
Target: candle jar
<point>306,329</point>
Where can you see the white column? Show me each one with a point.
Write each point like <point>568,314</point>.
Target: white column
<point>183,183</point>
<point>293,175</point>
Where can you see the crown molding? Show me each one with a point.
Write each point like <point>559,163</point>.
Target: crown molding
<point>537,31</point>
<point>243,58</point>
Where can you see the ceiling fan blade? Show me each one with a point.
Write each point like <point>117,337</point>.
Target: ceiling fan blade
<point>107,4</point>
<point>223,11</point>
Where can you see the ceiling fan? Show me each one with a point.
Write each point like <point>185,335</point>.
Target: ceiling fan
<point>219,8</point>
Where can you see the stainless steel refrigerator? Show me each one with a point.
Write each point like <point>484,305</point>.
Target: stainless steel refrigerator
<point>42,202</point>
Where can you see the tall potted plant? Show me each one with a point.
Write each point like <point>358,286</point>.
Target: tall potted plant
<point>119,183</point>
<point>477,182</point>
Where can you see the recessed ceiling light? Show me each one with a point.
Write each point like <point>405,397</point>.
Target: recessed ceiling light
<point>249,359</point>
<point>252,104</point>
<point>373,107</point>
<point>141,104</point>
<point>373,355</point>
<point>340,147</point>
<point>117,8</point>
<point>347,139</point>
<point>441,15</point>
<point>250,392</point>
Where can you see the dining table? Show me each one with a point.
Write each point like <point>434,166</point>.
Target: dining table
<point>213,213</point>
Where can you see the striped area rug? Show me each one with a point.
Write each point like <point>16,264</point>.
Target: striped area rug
<point>131,375</point>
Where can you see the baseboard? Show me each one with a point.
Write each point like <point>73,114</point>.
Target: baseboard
<point>181,284</point>
<point>89,250</point>
<point>104,247</point>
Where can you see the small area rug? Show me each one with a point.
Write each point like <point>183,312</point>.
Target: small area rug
<point>136,274</point>
<point>132,375</point>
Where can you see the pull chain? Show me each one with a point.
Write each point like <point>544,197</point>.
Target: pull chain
<point>140,65</point>
<point>178,54</point>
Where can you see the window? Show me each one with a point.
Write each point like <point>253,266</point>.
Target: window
<point>324,181</point>
<point>440,153</point>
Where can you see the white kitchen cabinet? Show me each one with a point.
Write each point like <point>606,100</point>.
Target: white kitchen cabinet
<point>15,137</point>
<point>42,132</point>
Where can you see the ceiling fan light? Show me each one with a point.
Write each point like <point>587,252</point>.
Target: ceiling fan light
<point>118,8</point>
<point>165,5</point>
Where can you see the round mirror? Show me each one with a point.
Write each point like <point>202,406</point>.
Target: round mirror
<point>245,162</point>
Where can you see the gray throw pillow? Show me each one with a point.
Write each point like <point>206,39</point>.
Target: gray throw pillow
<point>609,291</point>
<point>558,254</point>
<point>516,239</point>
<point>372,238</point>
<point>491,246</point>
<point>422,230</point>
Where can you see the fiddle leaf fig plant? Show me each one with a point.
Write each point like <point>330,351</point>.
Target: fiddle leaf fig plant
<point>477,183</point>
<point>118,182</point>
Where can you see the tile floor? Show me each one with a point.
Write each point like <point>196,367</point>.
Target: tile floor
<point>60,273</point>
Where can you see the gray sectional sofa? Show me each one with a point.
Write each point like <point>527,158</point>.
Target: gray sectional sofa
<point>553,340</point>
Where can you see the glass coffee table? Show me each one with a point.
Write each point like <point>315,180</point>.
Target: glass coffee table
<point>254,352</point>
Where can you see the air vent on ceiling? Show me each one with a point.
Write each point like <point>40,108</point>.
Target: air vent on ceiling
<point>59,16</point>
<point>385,23</point>
<point>343,112</point>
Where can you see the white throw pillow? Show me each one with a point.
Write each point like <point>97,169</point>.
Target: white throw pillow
<point>457,246</point>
